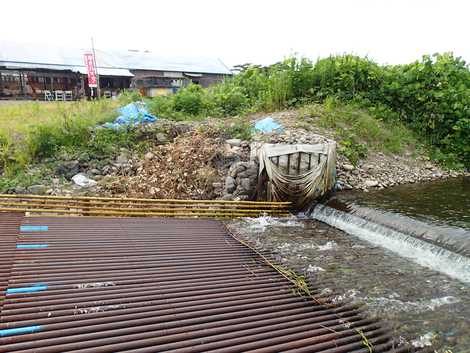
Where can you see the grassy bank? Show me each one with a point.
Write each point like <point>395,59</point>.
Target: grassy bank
<point>357,130</point>
<point>30,132</point>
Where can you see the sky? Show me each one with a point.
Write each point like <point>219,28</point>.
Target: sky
<point>247,31</point>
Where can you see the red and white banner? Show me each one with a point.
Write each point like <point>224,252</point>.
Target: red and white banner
<point>90,66</point>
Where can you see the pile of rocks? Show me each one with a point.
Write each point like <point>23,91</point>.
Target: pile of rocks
<point>241,181</point>
<point>382,171</point>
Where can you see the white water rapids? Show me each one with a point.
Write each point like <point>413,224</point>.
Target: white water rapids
<point>420,251</point>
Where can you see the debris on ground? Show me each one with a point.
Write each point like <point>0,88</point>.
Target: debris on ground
<point>182,169</point>
<point>82,180</point>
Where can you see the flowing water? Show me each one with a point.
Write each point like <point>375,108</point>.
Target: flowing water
<point>404,251</point>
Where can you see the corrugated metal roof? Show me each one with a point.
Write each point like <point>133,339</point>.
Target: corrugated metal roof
<point>40,55</point>
<point>105,71</point>
<point>81,69</point>
<point>154,285</point>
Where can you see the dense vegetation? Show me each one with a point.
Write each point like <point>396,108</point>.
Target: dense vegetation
<point>431,96</point>
<point>367,105</point>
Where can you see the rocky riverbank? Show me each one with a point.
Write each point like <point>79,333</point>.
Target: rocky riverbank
<point>206,160</point>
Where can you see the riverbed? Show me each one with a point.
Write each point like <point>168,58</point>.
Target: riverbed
<point>424,305</point>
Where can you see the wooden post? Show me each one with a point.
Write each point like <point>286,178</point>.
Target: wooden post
<point>21,82</point>
<point>299,159</point>
<point>288,164</point>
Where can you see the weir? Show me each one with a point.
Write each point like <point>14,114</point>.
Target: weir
<point>420,251</point>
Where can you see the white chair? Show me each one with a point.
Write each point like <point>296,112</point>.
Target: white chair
<point>59,95</point>
<point>68,96</point>
<point>48,96</point>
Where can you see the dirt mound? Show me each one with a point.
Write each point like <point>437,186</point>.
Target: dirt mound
<point>182,169</point>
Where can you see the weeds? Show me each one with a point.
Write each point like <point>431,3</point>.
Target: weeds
<point>358,131</point>
<point>238,127</point>
<point>32,131</point>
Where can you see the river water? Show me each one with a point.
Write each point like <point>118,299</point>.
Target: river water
<point>404,252</point>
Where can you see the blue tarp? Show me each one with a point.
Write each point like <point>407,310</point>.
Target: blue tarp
<point>132,114</point>
<point>268,125</point>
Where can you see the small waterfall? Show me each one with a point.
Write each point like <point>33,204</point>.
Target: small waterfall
<point>452,238</point>
<point>418,250</point>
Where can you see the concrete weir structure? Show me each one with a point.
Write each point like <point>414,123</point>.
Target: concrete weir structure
<point>161,284</point>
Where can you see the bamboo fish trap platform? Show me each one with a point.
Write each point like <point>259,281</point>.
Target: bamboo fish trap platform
<point>138,207</point>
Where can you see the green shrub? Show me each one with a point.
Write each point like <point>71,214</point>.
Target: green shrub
<point>226,99</point>
<point>346,77</point>
<point>457,143</point>
<point>189,100</point>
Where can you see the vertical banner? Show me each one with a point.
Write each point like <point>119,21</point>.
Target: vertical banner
<point>90,66</point>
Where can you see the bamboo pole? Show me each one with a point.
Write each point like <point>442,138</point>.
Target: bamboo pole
<point>130,214</point>
<point>86,207</point>
<point>143,200</point>
<point>140,204</point>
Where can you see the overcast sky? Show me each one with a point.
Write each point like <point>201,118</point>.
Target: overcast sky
<point>241,31</point>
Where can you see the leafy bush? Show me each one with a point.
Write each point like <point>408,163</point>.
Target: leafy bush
<point>189,100</point>
<point>226,99</point>
<point>346,77</point>
<point>458,142</point>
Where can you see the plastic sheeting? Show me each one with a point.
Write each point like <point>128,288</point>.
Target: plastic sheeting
<point>309,173</point>
<point>132,114</point>
<point>268,125</point>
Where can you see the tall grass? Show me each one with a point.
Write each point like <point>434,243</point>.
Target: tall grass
<point>33,130</point>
